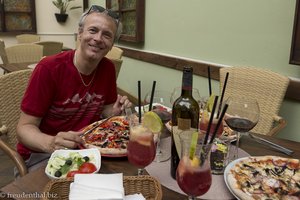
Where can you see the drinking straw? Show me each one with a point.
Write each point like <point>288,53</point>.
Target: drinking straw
<point>223,92</point>
<point>152,95</point>
<point>139,101</point>
<point>219,123</point>
<point>211,119</point>
<point>209,80</point>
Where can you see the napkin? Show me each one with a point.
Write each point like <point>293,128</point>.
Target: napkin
<point>135,197</point>
<point>97,186</point>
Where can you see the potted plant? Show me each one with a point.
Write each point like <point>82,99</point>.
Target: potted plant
<point>63,5</point>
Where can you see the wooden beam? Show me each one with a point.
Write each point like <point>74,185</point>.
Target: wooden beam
<point>199,68</point>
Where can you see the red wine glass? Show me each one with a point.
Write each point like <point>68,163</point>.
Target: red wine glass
<point>242,116</point>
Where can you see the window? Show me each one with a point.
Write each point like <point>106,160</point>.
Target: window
<point>17,16</point>
<point>132,14</point>
<point>295,48</point>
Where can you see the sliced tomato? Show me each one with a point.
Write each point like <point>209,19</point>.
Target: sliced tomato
<point>111,138</point>
<point>87,168</point>
<point>72,173</point>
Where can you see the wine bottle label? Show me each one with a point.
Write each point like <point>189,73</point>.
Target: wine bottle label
<point>176,137</point>
<point>184,124</point>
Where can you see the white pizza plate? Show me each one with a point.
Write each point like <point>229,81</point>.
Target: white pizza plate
<point>95,153</point>
<point>227,170</point>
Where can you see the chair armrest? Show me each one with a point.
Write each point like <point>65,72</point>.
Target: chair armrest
<point>3,130</point>
<point>280,123</point>
<point>15,156</point>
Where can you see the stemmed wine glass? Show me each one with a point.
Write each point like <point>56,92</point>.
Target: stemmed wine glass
<point>177,92</point>
<point>162,107</point>
<point>193,174</point>
<point>242,116</point>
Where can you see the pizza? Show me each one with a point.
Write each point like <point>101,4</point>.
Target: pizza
<point>110,136</point>
<point>265,177</point>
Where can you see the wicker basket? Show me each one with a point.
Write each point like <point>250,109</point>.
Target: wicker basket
<point>146,185</point>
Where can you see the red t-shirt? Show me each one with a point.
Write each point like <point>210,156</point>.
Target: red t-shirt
<point>57,95</point>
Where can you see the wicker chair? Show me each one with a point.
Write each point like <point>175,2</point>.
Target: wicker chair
<point>24,53</point>
<point>50,47</point>
<point>3,52</point>
<point>27,38</point>
<point>267,87</point>
<point>118,64</point>
<point>115,53</point>
<point>12,87</point>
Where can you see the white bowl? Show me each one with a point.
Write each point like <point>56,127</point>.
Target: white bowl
<point>84,152</point>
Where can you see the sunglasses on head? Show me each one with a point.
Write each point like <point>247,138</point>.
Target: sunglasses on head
<point>100,9</point>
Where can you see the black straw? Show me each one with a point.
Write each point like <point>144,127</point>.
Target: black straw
<point>209,80</point>
<point>152,95</point>
<point>211,119</point>
<point>219,123</point>
<point>139,101</point>
<point>223,92</point>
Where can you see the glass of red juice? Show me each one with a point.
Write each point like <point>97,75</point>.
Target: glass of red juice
<point>141,148</point>
<point>193,174</point>
<point>204,124</point>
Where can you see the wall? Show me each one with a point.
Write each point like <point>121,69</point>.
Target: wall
<point>250,32</point>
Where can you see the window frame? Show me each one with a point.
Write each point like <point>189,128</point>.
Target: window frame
<point>31,14</point>
<point>295,47</point>
<point>139,21</point>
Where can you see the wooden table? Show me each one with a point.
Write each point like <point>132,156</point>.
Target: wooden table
<point>15,66</point>
<point>34,182</point>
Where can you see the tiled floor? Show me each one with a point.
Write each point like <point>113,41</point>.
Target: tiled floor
<point>6,170</point>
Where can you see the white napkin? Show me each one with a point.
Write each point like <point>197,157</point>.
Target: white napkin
<point>97,186</point>
<point>135,197</point>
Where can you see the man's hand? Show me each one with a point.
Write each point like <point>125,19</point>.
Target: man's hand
<point>121,104</point>
<point>67,140</point>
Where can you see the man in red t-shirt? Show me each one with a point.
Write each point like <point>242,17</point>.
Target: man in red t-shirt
<point>70,90</point>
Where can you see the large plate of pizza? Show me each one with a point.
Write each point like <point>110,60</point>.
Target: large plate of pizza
<point>264,177</point>
<point>110,136</point>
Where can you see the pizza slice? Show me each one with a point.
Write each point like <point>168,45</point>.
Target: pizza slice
<point>110,136</point>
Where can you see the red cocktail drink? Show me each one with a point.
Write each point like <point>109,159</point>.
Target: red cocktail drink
<point>192,178</point>
<point>141,147</point>
<point>204,124</point>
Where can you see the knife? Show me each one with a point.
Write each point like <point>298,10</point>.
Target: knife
<point>272,145</point>
<point>96,126</point>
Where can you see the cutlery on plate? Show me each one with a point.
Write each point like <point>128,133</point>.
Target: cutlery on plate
<point>96,126</point>
<point>272,145</point>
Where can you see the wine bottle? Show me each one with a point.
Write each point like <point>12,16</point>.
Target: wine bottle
<point>185,116</point>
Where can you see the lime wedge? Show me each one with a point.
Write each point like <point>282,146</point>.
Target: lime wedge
<point>205,116</point>
<point>210,102</point>
<point>193,145</point>
<point>152,121</point>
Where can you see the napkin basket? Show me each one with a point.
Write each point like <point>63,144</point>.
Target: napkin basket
<point>148,186</point>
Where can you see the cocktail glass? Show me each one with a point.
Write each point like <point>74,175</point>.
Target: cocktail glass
<point>141,147</point>
<point>163,108</point>
<point>204,124</point>
<point>193,174</point>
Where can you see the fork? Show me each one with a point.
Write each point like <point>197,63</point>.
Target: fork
<point>272,145</point>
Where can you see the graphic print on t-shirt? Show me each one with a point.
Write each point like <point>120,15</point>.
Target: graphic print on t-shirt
<point>77,107</point>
